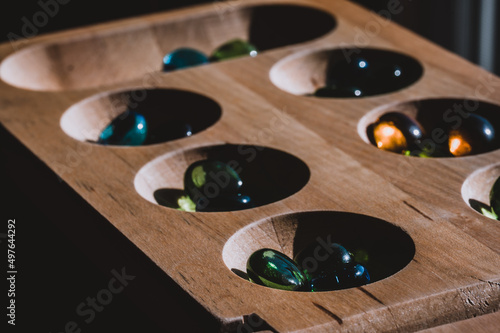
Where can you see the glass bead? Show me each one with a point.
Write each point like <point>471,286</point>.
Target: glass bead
<point>183,58</point>
<point>397,133</point>
<point>475,135</point>
<point>329,266</point>
<point>360,76</point>
<point>170,130</point>
<point>215,186</point>
<point>273,269</point>
<point>232,49</point>
<point>319,257</point>
<point>128,129</point>
<point>495,197</point>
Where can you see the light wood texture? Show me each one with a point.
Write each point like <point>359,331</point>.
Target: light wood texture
<point>455,273</point>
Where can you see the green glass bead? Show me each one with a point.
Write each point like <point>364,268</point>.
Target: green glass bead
<point>273,269</point>
<point>232,49</point>
<point>183,58</point>
<point>495,197</point>
<point>215,186</point>
<point>128,129</point>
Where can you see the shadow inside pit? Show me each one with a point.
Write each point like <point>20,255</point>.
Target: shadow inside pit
<point>388,248</point>
<point>240,273</point>
<point>478,205</point>
<point>168,197</point>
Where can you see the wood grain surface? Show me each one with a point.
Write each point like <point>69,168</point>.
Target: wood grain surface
<point>455,272</point>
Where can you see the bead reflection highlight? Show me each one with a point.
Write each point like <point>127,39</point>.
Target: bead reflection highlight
<point>396,132</point>
<point>389,137</point>
<point>458,146</point>
<point>128,129</point>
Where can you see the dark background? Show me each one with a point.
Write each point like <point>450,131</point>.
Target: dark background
<point>55,274</point>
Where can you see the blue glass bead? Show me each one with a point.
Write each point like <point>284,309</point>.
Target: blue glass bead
<point>183,58</point>
<point>128,129</point>
<point>273,269</point>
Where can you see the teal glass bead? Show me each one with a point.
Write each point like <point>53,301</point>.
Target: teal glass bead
<point>215,186</point>
<point>232,49</point>
<point>273,269</point>
<point>128,129</point>
<point>495,197</point>
<point>183,58</point>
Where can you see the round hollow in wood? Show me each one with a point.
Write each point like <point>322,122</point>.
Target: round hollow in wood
<point>137,53</point>
<point>268,175</point>
<point>435,116</point>
<point>389,248</point>
<point>161,108</point>
<point>304,73</point>
<point>476,188</point>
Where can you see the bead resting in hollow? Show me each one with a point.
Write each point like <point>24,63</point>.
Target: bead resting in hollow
<point>128,129</point>
<point>495,197</point>
<point>273,269</point>
<point>396,132</point>
<point>316,268</point>
<point>183,58</point>
<point>360,77</point>
<point>215,186</point>
<point>475,135</point>
<point>329,266</point>
<point>233,49</point>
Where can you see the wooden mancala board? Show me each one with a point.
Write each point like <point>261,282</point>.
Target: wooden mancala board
<point>439,259</point>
